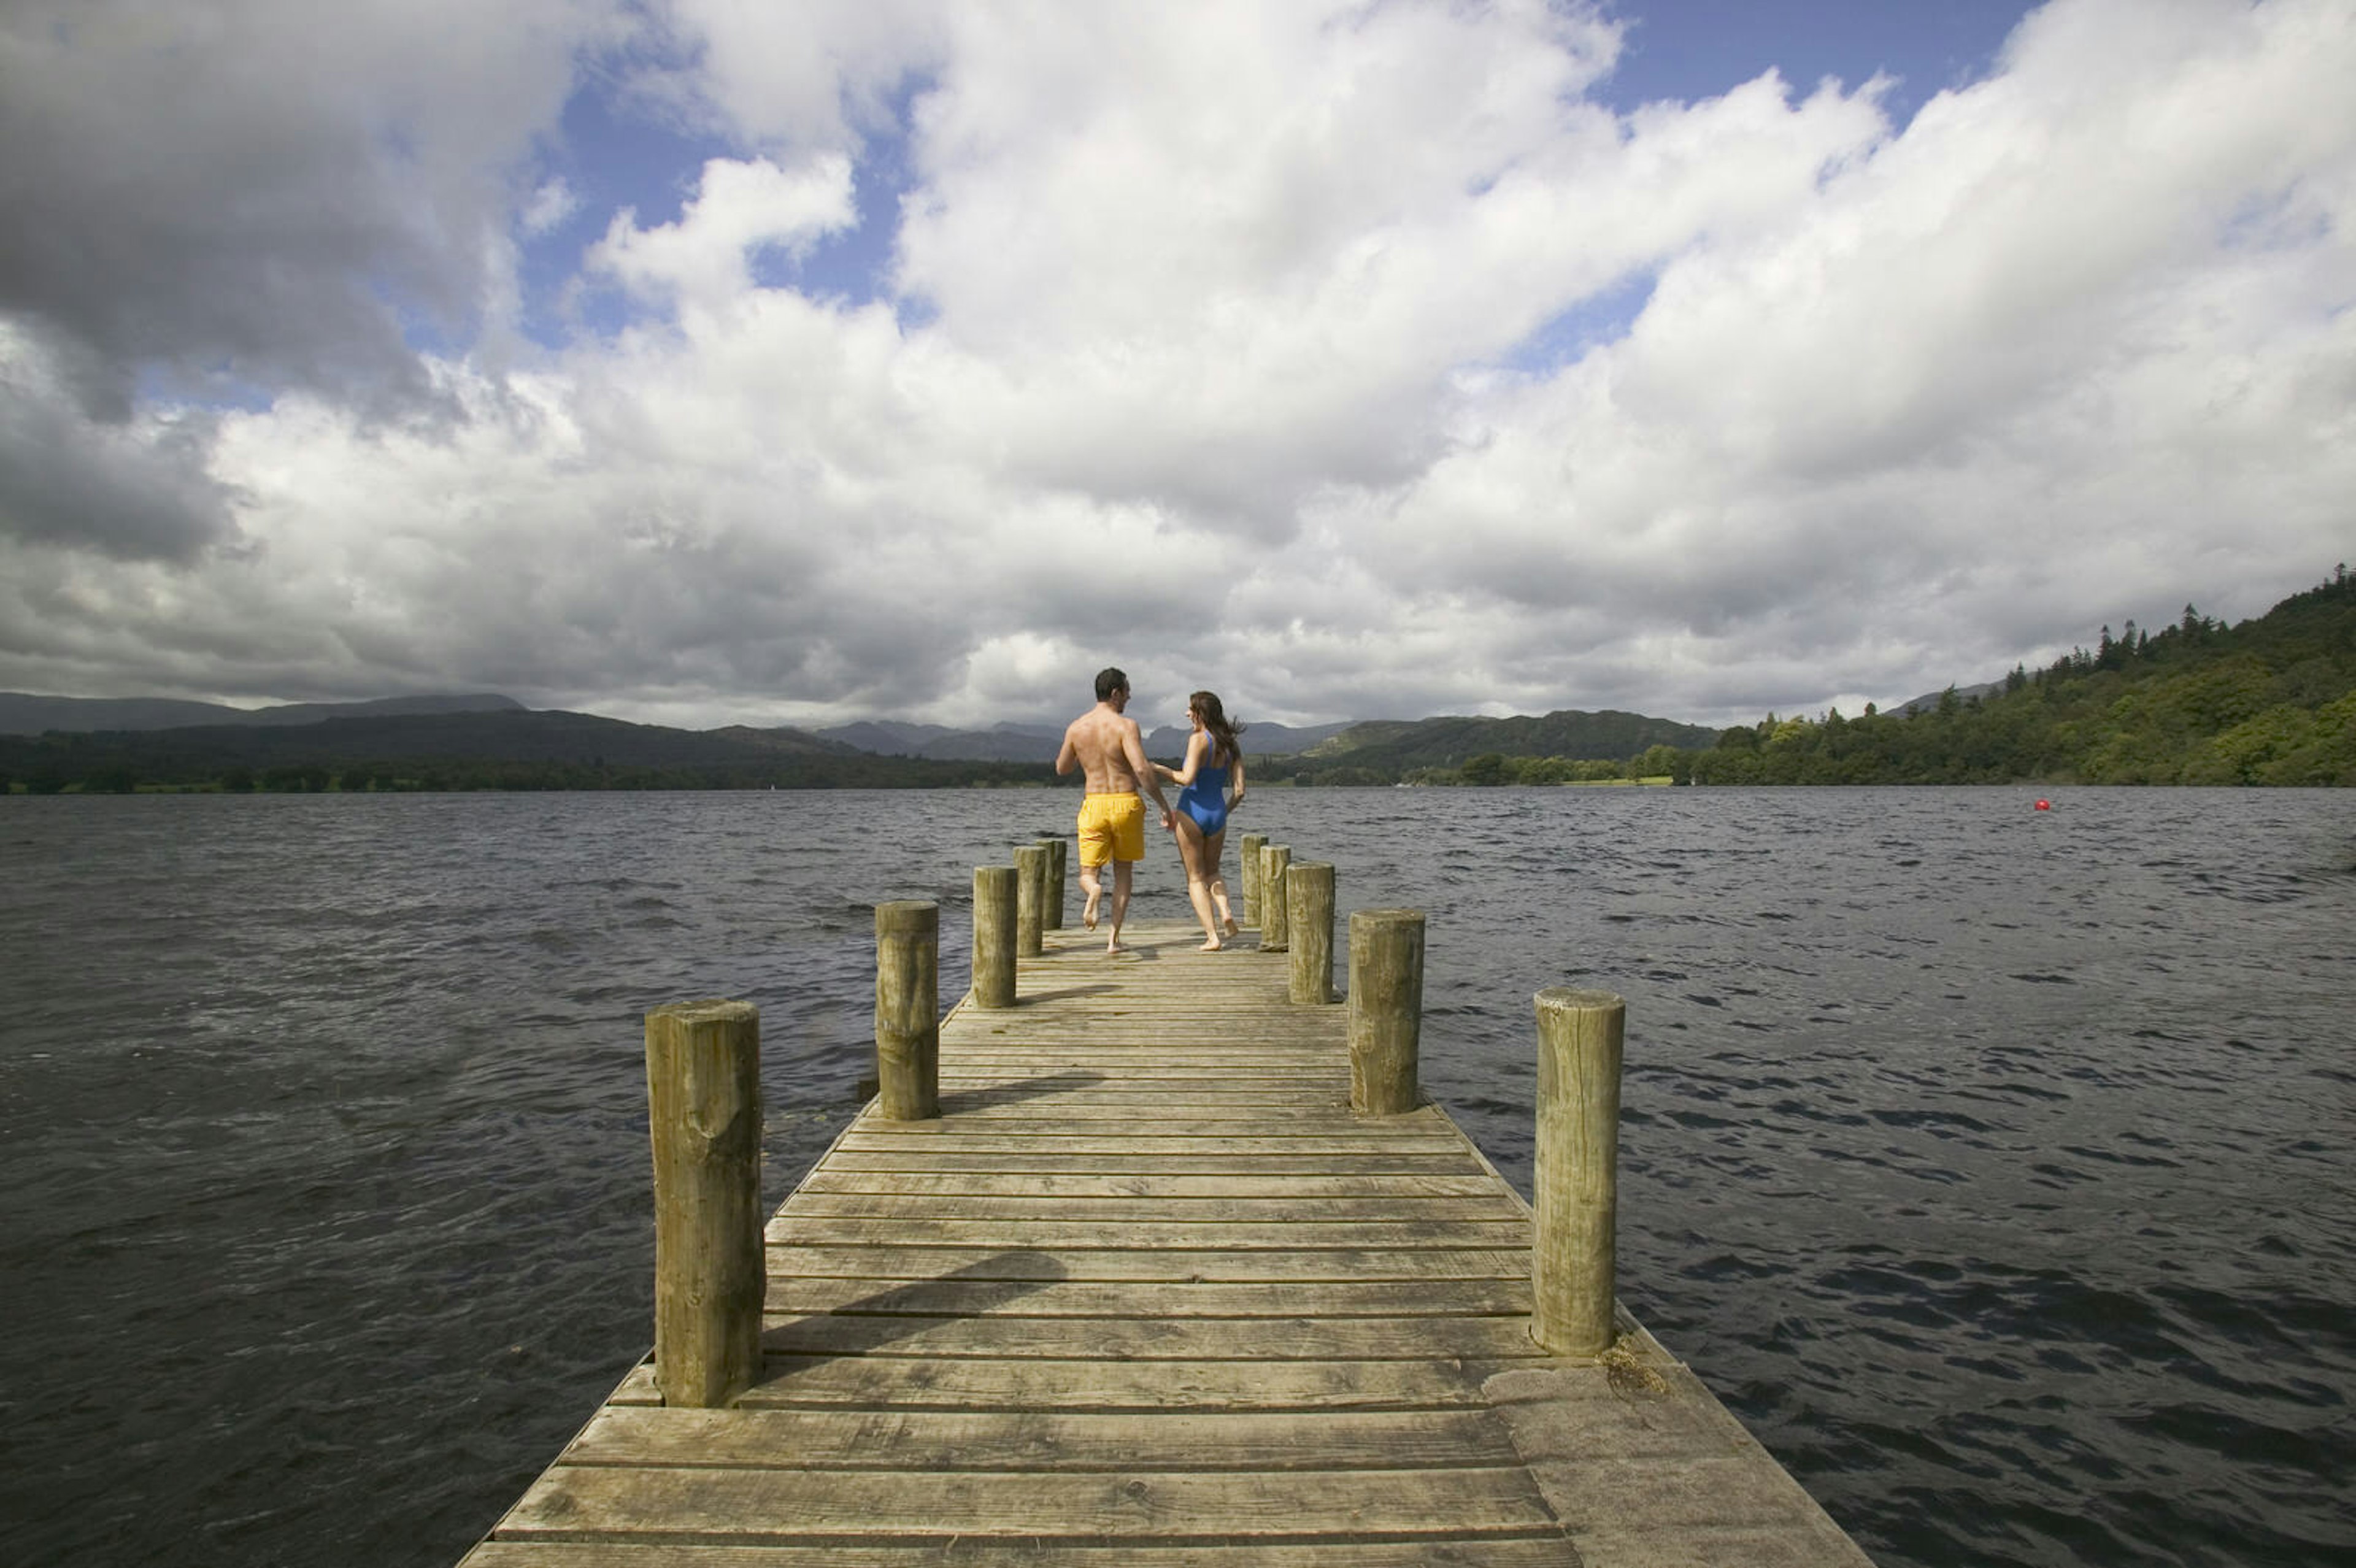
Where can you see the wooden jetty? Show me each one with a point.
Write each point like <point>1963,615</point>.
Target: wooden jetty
<point>1145,1293</point>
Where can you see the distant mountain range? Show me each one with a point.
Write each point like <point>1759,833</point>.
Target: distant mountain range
<point>1381,742</point>
<point>21,714</point>
<point>488,742</point>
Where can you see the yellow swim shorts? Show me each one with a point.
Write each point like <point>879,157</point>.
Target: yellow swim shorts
<point>1112,827</point>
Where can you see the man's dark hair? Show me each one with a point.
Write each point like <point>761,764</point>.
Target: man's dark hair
<point>1109,681</point>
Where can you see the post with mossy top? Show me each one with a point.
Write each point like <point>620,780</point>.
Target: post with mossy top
<point>993,935</point>
<point>1385,1018</point>
<point>703,1111</point>
<point>1248,871</point>
<point>1308,931</point>
<point>1576,1179</point>
<point>1031,863</point>
<point>1273,860</point>
<point>908,1010</point>
<point>1051,907</point>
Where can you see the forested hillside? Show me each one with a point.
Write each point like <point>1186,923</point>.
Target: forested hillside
<point>1473,750</point>
<point>2271,702</point>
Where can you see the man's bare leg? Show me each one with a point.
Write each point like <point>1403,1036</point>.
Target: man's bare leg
<point>1121,870</point>
<point>1095,890</point>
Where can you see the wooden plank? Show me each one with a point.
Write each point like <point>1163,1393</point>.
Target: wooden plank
<point>962,1110</point>
<point>893,1207</point>
<point>1293,1140</point>
<point>1161,1299</point>
<point>1005,1335</point>
<point>1202,1160</point>
<point>765,1505</point>
<point>1544,1551</point>
<point>883,1261</point>
<point>1130,1184</point>
<point>792,1228</point>
<point>1045,1383</point>
<point>1047,1441</point>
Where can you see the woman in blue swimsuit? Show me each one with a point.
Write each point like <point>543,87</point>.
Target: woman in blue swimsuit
<point>1211,785</point>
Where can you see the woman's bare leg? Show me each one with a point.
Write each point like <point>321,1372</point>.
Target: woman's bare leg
<point>1198,889</point>
<point>1212,843</point>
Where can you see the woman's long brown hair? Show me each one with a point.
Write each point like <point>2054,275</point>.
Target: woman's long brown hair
<point>1206,705</point>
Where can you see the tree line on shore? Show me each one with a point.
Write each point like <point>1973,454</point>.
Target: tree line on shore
<point>2269,701</point>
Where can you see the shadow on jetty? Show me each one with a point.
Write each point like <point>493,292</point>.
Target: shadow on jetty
<point>1016,1094</point>
<point>871,1322</point>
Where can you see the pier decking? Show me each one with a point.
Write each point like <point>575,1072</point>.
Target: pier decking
<point>1147,1294</point>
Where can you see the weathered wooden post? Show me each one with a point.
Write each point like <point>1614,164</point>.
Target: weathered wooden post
<point>1386,1027</point>
<point>703,1108</point>
<point>1248,871</point>
<point>1308,931</point>
<point>908,1009</point>
<point>993,935</point>
<point>1030,899</point>
<point>1051,909</point>
<point>1576,1180</point>
<point>1273,860</point>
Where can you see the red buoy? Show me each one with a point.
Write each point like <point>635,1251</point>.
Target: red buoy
<point>2045,805</point>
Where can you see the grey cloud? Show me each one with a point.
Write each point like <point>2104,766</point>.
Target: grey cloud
<point>256,195</point>
<point>65,480</point>
<point>153,220</point>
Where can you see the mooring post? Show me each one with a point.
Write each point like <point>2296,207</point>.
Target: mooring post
<point>1386,1027</point>
<point>1030,899</point>
<point>1273,860</point>
<point>1308,931</point>
<point>908,1009</point>
<point>704,1109</point>
<point>1248,869</point>
<point>1576,1180</point>
<point>1051,909</point>
<point>993,935</point>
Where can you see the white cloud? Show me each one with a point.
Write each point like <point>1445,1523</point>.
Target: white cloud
<point>739,209</point>
<point>1197,359</point>
<point>818,74</point>
<point>551,205</point>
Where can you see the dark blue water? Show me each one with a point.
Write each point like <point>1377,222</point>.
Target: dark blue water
<point>1990,1163</point>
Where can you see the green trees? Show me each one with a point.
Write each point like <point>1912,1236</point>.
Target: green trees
<point>2266,703</point>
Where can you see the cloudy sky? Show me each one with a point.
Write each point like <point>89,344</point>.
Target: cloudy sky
<point>710,361</point>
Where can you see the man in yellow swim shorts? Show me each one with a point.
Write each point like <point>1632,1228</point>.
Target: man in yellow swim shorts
<point>1104,744</point>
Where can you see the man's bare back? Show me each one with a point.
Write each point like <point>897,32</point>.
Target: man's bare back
<point>1105,746</point>
<point>1109,748</point>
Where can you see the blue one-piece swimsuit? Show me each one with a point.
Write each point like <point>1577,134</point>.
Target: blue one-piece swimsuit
<point>1205,800</point>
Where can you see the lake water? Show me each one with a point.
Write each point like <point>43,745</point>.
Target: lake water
<point>1990,1163</point>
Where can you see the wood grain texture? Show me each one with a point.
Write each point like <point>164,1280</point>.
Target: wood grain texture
<point>1146,1294</point>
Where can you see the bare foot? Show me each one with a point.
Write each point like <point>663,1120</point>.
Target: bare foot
<point>1214,946</point>
<point>1088,915</point>
<point>1232,926</point>
<point>1114,947</point>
